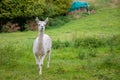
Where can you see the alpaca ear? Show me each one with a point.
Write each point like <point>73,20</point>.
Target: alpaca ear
<point>46,20</point>
<point>37,20</point>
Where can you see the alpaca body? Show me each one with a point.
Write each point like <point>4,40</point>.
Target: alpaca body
<point>42,45</point>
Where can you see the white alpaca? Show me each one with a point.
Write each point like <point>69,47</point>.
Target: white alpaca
<point>42,45</point>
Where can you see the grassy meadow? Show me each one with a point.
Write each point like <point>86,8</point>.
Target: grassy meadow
<point>83,49</point>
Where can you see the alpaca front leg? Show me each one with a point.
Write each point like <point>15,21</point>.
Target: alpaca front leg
<point>40,69</point>
<point>41,63</point>
<point>36,59</point>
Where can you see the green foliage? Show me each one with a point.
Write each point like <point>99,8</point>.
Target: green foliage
<point>4,28</point>
<point>92,52</point>
<point>81,55</point>
<point>57,7</point>
<point>89,42</point>
<point>21,11</point>
<point>59,44</point>
<point>26,27</point>
<point>18,8</point>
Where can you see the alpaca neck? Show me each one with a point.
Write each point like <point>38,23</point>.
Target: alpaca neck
<point>40,38</point>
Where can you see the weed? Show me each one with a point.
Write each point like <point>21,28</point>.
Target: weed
<point>81,55</point>
<point>61,69</point>
<point>92,52</point>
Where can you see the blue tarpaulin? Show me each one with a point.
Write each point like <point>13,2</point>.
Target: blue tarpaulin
<point>77,5</point>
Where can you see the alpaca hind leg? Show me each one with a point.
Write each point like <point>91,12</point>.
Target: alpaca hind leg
<point>48,59</point>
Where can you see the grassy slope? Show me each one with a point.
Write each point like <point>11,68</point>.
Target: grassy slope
<point>17,61</point>
<point>104,22</point>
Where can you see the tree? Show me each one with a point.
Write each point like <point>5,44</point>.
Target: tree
<point>57,7</point>
<point>22,10</point>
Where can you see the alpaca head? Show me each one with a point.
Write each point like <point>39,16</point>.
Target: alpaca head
<point>41,24</point>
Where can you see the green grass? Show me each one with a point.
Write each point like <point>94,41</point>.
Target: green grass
<point>67,63</point>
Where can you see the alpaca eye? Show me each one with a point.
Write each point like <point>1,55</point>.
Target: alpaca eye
<point>38,24</point>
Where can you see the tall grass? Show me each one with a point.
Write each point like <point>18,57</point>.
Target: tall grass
<point>90,42</point>
<point>96,58</point>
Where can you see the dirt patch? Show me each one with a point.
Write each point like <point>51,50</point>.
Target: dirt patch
<point>111,3</point>
<point>32,26</point>
<point>114,3</point>
<point>89,0</point>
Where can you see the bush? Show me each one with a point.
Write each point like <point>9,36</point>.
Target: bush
<point>18,8</point>
<point>91,43</point>
<point>57,7</point>
<point>27,27</point>
<point>22,11</point>
<point>59,44</point>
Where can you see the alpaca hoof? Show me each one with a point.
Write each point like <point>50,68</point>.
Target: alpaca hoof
<point>40,73</point>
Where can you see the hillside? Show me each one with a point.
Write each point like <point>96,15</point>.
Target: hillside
<point>103,22</point>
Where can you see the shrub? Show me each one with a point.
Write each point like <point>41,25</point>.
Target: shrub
<point>23,11</point>
<point>27,27</point>
<point>57,7</point>
<point>56,44</point>
<point>91,43</point>
<point>18,8</point>
<point>60,44</point>
<point>92,52</point>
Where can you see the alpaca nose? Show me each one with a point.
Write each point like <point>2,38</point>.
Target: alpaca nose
<point>41,27</point>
